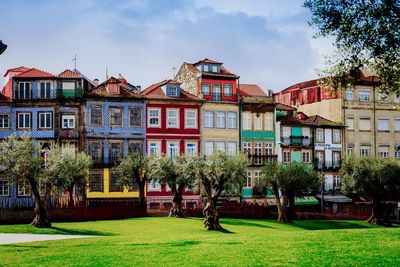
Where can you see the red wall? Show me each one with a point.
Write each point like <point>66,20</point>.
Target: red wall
<point>233,98</point>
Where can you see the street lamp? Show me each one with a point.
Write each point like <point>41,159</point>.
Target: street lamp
<point>3,47</point>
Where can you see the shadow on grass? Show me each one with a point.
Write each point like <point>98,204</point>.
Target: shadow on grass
<point>331,225</point>
<point>243,223</point>
<point>64,231</point>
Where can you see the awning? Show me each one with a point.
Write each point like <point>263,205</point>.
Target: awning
<point>336,198</point>
<point>310,200</point>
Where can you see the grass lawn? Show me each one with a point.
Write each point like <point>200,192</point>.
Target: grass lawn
<point>184,242</point>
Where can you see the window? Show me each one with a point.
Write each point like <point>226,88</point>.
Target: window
<point>4,188</point>
<point>319,135</point>
<point>350,123</point>
<point>248,180</point>
<point>96,116</point>
<point>336,136</point>
<point>232,120</point>
<point>115,151</point>
<point>24,189</point>
<point>228,89</point>
<point>256,177</point>
<point>208,119</point>
<point>214,68</point>
<point>349,95</point>
<point>68,85</point>
<point>221,119</point>
<point>154,117</point>
<point>319,155</point>
<point>152,185</point>
<point>45,90</point>
<point>247,148</point>
<point>257,153</point>
<point>383,124</point>
<point>24,90</point>
<point>4,121</point>
<point>257,122</point>
<point>191,149</point>
<point>173,149</point>
<point>24,120</point>
<point>336,158</point>
<point>397,124</point>
<point>246,120</point>
<point>96,151</point>
<point>68,121</point>
<point>135,147</point>
<point>232,148</point>
<point>336,182</point>
<point>268,149</point>
<point>269,121</point>
<point>173,91</point>
<point>172,118</point>
<point>96,182</point>
<point>65,146</point>
<point>191,118</point>
<point>383,151</point>
<point>350,150</point>
<point>220,146</point>
<point>154,148</point>
<point>306,157</point>
<point>45,120</point>
<point>217,92</point>
<point>205,67</point>
<point>115,116</point>
<point>365,150</point>
<point>208,148</point>
<point>286,156</point>
<point>205,88</point>
<point>365,124</point>
<point>397,151</point>
<point>135,117</point>
<point>363,95</point>
<point>115,185</point>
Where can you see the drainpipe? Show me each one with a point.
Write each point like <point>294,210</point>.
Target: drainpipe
<point>240,116</point>
<point>374,109</point>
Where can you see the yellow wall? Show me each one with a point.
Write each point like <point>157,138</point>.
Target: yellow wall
<point>107,194</point>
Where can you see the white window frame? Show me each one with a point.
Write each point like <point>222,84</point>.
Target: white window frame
<point>396,124</point>
<point>70,119</point>
<point>46,118</point>
<point>208,145</point>
<point>382,122</point>
<point>190,151</point>
<point>24,94</point>
<point>40,90</point>
<point>248,183</point>
<point>257,122</point>
<point>218,146</point>
<point>221,119</point>
<point>306,157</point>
<point>153,186</point>
<point>188,119</point>
<point>158,117</point>
<point>269,121</point>
<point>158,146</point>
<point>5,119</point>
<point>286,157</point>
<point>319,135</point>
<point>364,95</point>
<point>350,123</point>
<point>176,144</point>
<point>169,118</point>
<point>173,91</point>
<point>4,188</point>
<point>268,149</point>
<point>365,151</point>
<point>232,120</point>
<point>336,136</point>
<point>24,189</point>
<point>232,148</point>
<point>208,119</point>
<point>246,120</point>
<point>360,124</point>
<point>24,115</point>
<point>349,95</point>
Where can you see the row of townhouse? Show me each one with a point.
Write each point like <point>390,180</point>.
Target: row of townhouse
<point>204,109</point>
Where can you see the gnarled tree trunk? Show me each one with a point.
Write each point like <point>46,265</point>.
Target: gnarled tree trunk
<point>378,215</point>
<point>41,219</point>
<point>71,196</point>
<point>290,208</point>
<point>211,220</point>
<point>177,209</point>
<point>282,215</point>
<point>142,195</point>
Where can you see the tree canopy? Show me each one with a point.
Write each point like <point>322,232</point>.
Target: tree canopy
<point>366,35</point>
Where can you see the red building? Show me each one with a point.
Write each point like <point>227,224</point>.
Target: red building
<point>172,128</point>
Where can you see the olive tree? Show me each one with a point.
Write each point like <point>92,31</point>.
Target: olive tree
<point>134,168</point>
<point>21,161</point>
<point>366,36</point>
<point>218,173</point>
<point>287,182</point>
<point>174,172</point>
<point>373,178</point>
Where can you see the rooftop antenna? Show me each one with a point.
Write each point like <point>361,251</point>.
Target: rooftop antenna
<point>74,59</point>
<point>106,73</point>
<point>173,71</point>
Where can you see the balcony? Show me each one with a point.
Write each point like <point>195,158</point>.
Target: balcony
<point>297,141</point>
<point>69,93</point>
<point>260,160</point>
<point>326,165</point>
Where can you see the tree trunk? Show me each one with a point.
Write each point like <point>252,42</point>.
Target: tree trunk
<point>142,195</point>
<point>41,219</point>
<point>282,218</point>
<point>378,215</point>
<point>211,221</point>
<point>290,209</point>
<point>47,195</point>
<point>70,196</point>
<point>177,210</point>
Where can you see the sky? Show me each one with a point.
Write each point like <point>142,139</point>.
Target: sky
<point>265,42</point>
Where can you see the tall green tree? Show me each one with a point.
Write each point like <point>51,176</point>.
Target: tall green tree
<point>287,182</point>
<point>20,160</point>
<point>176,174</point>
<point>218,173</point>
<point>66,169</point>
<point>373,178</point>
<point>366,36</point>
<point>135,168</point>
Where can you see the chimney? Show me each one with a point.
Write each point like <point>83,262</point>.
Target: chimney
<point>95,82</point>
<point>112,86</point>
<point>138,88</point>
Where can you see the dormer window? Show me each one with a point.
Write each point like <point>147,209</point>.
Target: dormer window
<point>173,91</point>
<point>206,68</point>
<point>214,68</point>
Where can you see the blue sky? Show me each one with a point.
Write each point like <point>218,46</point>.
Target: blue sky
<point>266,42</point>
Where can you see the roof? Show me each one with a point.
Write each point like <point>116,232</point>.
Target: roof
<point>302,85</point>
<point>17,69</point>
<point>224,71</point>
<point>3,98</point>
<point>34,73</point>
<point>155,91</point>
<point>321,121</point>
<point>206,60</point>
<point>284,107</point>
<point>125,91</point>
<point>69,74</point>
<point>251,90</point>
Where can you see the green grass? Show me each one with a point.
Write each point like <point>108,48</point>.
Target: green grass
<point>184,242</point>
